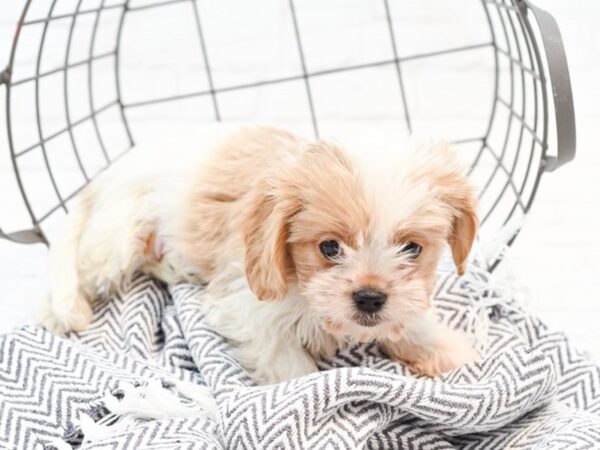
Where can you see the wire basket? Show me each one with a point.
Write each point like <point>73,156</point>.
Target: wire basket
<point>86,77</point>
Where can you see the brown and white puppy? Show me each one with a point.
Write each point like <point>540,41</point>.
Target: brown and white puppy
<point>303,247</point>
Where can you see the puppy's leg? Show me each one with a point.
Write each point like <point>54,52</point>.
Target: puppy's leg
<point>263,335</point>
<point>269,354</point>
<point>431,348</point>
<point>67,307</point>
<point>97,249</point>
<point>275,363</point>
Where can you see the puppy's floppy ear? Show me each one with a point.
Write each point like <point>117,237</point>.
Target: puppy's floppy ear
<point>464,230</point>
<point>265,230</point>
<point>459,195</point>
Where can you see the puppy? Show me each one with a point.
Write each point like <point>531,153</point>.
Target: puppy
<point>302,247</point>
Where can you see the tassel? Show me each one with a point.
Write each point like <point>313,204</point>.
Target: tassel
<point>493,295</point>
<point>130,404</point>
<point>155,400</point>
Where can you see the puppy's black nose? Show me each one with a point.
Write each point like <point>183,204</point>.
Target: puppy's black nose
<point>369,300</point>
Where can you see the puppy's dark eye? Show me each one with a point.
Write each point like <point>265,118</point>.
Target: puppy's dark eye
<point>330,249</point>
<point>413,249</point>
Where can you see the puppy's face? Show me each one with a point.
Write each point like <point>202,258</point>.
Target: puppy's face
<point>362,242</point>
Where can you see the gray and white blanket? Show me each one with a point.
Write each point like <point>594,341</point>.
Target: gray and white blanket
<point>531,390</point>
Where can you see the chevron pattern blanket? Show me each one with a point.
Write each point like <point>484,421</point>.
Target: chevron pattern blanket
<point>531,390</point>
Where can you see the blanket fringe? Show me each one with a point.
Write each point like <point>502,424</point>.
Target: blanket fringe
<point>130,404</point>
<point>494,294</point>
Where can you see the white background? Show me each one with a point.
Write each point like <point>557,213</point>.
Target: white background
<point>557,256</point>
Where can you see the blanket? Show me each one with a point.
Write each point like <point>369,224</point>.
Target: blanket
<point>532,388</point>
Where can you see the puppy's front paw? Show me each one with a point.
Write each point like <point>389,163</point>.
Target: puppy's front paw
<point>445,355</point>
<point>450,350</point>
<point>73,314</point>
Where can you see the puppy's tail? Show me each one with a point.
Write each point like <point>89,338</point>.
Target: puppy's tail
<point>67,307</point>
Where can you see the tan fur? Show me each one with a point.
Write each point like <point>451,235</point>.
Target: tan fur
<point>265,228</point>
<point>228,191</point>
<point>439,352</point>
<point>254,215</point>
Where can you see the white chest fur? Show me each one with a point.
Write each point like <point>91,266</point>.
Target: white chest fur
<point>274,341</point>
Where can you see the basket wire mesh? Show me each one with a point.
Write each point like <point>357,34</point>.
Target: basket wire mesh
<point>507,158</point>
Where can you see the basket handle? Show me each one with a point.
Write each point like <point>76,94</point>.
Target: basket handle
<point>32,236</point>
<point>560,84</point>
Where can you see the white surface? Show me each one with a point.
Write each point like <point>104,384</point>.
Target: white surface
<point>557,255</point>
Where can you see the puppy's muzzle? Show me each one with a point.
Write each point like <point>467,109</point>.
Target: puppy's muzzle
<point>369,300</point>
